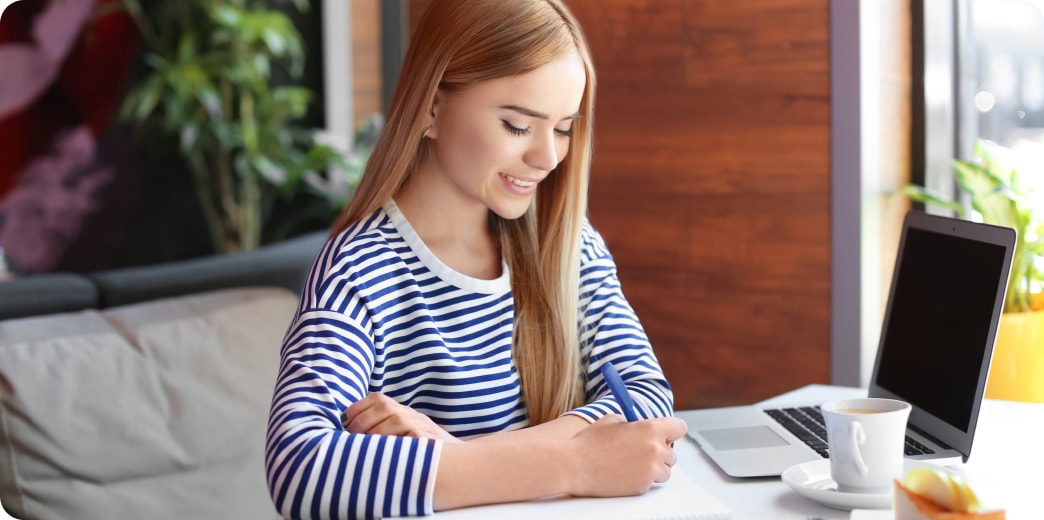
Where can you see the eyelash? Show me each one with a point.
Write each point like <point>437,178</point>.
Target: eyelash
<point>514,129</point>
<point>524,131</point>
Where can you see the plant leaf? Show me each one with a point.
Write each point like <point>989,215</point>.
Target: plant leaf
<point>924,195</point>
<point>189,137</point>
<point>226,15</point>
<point>275,41</point>
<point>186,48</point>
<point>990,194</point>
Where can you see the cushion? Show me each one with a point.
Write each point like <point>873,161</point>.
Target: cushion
<point>155,410</point>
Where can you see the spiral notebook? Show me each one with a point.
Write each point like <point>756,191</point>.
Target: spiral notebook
<point>677,499</point>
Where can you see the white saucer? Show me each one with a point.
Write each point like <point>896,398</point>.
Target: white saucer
<point>812,480</point>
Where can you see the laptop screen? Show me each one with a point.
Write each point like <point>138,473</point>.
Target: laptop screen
<point>938,327</point>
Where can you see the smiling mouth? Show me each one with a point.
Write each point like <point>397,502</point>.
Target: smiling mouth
<point>519,182</point>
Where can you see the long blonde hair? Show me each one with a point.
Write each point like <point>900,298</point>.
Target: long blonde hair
<point>458,43</point>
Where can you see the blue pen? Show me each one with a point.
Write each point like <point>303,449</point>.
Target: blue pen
<point>616,386</point>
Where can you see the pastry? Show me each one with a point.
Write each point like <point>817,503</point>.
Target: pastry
<point>937,494</point>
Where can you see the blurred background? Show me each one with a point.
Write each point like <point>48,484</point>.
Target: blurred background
<point>746,167</point>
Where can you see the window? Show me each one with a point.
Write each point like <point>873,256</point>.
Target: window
<point>1003,74</point>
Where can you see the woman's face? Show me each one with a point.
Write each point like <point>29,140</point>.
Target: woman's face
<point>493,142</point>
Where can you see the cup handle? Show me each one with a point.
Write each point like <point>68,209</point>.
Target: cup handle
<point>857,436</point>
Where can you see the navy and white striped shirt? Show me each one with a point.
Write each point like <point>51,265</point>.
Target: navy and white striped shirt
<point>380,313</point>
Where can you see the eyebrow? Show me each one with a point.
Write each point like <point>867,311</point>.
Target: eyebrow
<point>533,113</point>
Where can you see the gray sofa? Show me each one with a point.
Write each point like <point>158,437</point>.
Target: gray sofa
<point>143,393</point>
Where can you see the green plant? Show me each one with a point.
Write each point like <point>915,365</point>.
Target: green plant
<point>212,89</point>
<point>1005,193</point>
<point>337,186</point>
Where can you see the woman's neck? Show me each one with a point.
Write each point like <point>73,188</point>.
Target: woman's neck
<point>457,232</point>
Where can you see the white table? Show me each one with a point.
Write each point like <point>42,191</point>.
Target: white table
<point>1005,469</point>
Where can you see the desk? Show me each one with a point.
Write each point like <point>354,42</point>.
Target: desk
<point>1001,474</point>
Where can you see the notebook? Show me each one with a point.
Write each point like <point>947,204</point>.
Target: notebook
<point>939,327</point>
<point>680,498</point>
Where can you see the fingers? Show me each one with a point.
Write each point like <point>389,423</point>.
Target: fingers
<point>672,459</point>
<point>663,475</point>
<point>363,415</point>
<point>675,428</point>
<point>378,414</point>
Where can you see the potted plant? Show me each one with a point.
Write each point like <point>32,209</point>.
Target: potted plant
<point>212,90</point>
<point>1005,190</point>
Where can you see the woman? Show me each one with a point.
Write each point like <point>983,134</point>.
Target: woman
<point>447,349</point>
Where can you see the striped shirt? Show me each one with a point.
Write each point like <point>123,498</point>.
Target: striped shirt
<point>381,313</point>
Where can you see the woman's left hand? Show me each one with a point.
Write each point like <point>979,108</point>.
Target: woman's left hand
<point>379,414</point>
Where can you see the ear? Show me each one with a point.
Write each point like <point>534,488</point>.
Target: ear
<point>432,116</point>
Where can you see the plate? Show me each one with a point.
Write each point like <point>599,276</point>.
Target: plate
<point>812,480</point>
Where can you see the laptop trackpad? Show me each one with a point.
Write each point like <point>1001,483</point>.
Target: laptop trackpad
<point>743,438</point>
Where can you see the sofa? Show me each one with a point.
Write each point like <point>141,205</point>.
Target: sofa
<point>143,393</point>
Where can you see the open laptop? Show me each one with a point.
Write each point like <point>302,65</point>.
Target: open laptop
<point>940,323</point>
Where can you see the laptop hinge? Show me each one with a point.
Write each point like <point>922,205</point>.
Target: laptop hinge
<point>935,441</point>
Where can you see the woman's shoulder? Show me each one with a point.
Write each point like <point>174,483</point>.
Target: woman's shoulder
<point>353,258</point>
<point>371,231</point>
<point>592,244</point>
<point>360,243</point>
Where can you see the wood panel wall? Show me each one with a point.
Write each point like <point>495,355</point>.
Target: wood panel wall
<point>711,182</point>
<point>366,60</point>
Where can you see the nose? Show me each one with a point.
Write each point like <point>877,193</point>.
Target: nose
<point>543,153</point>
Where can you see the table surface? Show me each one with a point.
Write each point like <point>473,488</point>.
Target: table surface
<point>1004,467</point>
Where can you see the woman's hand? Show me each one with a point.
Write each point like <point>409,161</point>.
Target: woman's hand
<point>381,415</point>
<point>620,458</point>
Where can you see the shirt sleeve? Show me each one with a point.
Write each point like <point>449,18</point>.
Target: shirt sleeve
<point>315,468</point>
<point>612,333</point>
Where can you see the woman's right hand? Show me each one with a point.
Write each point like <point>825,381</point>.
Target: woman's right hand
<point>620,458</point>
<point>378,414</point>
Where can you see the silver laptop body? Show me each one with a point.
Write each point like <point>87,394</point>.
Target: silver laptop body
<point>939,327</point>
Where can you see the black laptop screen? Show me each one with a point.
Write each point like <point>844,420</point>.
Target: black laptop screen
<point>939,323</point>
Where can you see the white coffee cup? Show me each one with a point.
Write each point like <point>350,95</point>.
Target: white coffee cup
<point>866,438</point>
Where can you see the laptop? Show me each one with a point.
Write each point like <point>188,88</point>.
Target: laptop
<point>939,327</point>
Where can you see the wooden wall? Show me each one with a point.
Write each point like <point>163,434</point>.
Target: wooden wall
<point>711,182</point>
<point>366,60</point>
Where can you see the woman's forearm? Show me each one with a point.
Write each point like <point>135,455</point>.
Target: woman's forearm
<point>473,473</point>
<point>564,427</point>
<point>610,457</point>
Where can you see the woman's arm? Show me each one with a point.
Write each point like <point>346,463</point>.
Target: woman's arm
<point>382,415</point>
<point>610,458</point>
<point>565,456</point>
<point>319,470</point>
<point>316,468</point>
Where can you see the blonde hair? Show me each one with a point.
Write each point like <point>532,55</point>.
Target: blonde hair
<point>458,43</point>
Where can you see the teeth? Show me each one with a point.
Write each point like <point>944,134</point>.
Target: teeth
<point>520,182</point>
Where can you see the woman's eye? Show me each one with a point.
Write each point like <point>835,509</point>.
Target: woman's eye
<point>514,129</point>
<point>564,132</point>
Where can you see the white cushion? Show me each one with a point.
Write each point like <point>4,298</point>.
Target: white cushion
<point>155,410</point>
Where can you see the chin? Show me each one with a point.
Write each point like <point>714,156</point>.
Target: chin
<point>510,211</point>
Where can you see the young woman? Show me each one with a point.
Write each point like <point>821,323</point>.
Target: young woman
<point>448,347</point>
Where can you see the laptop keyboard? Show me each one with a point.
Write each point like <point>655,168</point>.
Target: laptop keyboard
<point>806,422</point>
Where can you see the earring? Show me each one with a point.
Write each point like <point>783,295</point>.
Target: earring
<point>425,134</point>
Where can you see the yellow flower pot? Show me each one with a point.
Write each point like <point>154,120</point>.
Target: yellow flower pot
<point>1017,370</point>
